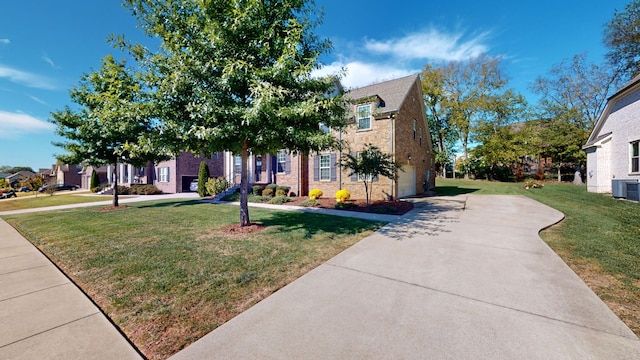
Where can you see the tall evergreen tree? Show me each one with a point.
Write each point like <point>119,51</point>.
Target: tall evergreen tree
<point>203,177</point>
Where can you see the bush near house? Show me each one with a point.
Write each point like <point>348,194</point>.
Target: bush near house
<point>216,186</point>
<point>267,192</point>
<point>315,194</point>
<point>256,190</point>
<point>343,195</point>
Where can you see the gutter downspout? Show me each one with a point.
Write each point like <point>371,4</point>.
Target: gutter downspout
<point>392,147</point>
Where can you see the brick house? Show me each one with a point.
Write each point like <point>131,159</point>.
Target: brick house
<point>67,174</point>
<point>389,115</point>
<point>171,176</point>
<point>613,148</point>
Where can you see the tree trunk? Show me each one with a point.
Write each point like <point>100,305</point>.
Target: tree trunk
<point>244,192</point>
<point>115,186</point>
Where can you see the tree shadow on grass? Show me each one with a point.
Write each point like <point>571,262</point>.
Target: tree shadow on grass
<point>316,223</point>
<point>164,203</point>
<point>453,190</point>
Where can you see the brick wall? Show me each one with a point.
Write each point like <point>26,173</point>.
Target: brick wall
<point>184,169</point>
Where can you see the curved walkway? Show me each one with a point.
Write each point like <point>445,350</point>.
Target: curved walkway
<point>463,278</point>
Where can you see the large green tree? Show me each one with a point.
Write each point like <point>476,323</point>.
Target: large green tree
<point>573,95</point>
<point>462,94</point>
<point>110,119</point>
<point>234,75</point>
<point>622,37</point>
<point>442,133</point>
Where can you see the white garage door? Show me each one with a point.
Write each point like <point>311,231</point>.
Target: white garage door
<point>407,181</point>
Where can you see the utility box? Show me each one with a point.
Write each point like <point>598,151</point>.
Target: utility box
<point>632,191</point>
<point>620,188</point>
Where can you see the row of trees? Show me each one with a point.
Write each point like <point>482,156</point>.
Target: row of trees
<point>469,102</point>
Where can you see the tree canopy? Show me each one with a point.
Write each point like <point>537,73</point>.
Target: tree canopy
<point>111,118</point>
<point>237,76</point>
<point>622,37</point>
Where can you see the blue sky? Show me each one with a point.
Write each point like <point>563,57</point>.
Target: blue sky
<point>45,46</point>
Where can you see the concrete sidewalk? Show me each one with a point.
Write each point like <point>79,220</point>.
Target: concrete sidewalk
<point>439,283</point>
<point>44,315</point>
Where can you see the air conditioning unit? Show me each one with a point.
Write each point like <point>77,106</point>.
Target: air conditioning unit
<point>632,191</point>
<point>620,188</point>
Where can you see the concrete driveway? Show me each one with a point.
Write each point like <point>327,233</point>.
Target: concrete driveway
<point>458,278</point>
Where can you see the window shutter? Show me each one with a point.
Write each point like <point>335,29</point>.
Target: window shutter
<point>333,167</point>
<point>316,168</point>
<point>354,176</point>
<point>287,164</point>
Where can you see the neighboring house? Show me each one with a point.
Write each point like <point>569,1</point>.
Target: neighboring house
<point>15,179</point>
<point>171,176</point>
<point>85,176</point>
<point>613,151</point>
<point>67,174</point>
<point>389,115</point>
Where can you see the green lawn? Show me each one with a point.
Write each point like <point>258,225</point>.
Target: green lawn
<point>599,238</point>
<point>169,272</point>
<point>44,200</point>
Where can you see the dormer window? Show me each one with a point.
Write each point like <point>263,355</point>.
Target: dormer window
<point>364,117</point>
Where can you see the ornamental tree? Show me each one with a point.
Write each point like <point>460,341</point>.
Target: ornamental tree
<point>237,76</point>
<point>369,164</point>
<point>111,116</point>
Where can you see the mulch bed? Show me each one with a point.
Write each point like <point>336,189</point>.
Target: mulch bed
<point>395,207</point>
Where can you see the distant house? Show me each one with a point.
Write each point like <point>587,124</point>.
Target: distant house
<point>171,176</point>
<point>16,178</point>
<point>67,174</point>
<point>389,115</point>
<point>85,176</point>
<point>613,148</point>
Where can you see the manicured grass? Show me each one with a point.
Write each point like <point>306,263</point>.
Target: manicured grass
<point>599,238</point>
<point>44,200</point>
<point>169,272</point>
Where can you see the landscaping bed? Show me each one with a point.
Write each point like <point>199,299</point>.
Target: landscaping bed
<point>395,207</point>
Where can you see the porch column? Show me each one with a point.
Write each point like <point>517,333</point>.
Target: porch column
<point>130,168</point>
<point>110,174</point>
<point>121,173</point>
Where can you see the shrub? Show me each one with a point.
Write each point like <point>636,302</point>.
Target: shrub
<point>533,184</point>
<point>279,200</point>
<point>267,192</point>
<point>143,189</point>
<point>283,188</point>
<point>95,189</point>
<point>272,187</point>
<point>256,190</point>
<point>259,199</point>
<point>94,183</point>
<point>315,194</point>
<point>309,203</point>
<point>203,177</point>
<point>216,186</point>
<point>123,190</point>
<point>281,192</point>
<point>343,195</point>
<point>344,205</point>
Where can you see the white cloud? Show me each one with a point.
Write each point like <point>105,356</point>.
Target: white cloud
<point>37,100</point>
<point>4,41</point>
<point>431,44</point>
<point>25,78</point>
<point>48,60</point>
<point>16,124</point>
<point>362,74</point>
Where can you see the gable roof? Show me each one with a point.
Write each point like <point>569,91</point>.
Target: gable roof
<point>392,92</point>
<point>595,136</point>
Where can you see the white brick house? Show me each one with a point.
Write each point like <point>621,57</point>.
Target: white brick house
<point>613,147</point>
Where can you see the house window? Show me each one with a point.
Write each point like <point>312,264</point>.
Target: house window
<point>414,129</point>
<point>325,167</point>
<point>237,164</point>
<point>282,161</point>
<point>364,177</point>
<point>364,117</point>
<point>163,174</point>
<point>635,156</point>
